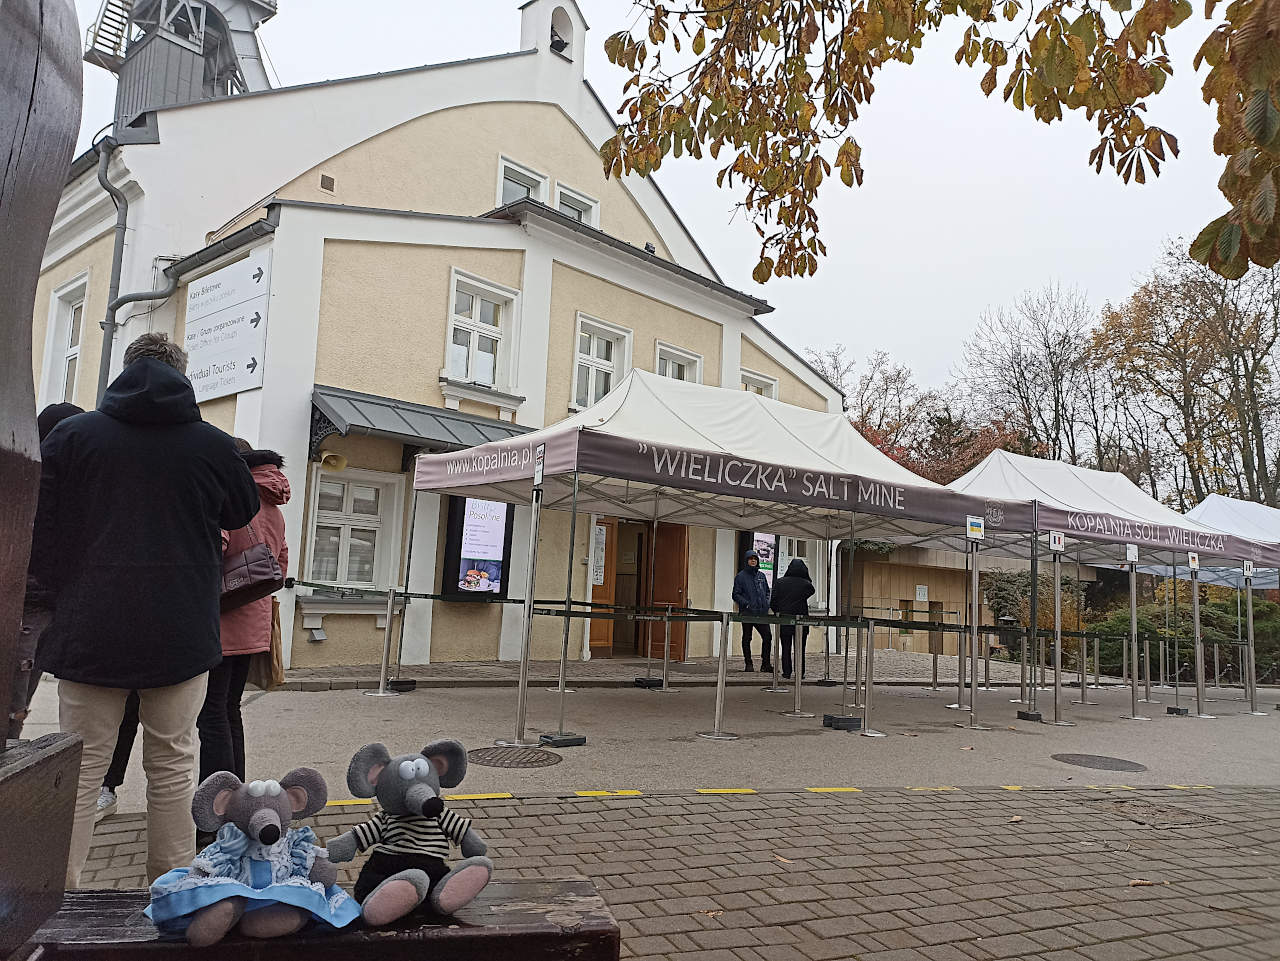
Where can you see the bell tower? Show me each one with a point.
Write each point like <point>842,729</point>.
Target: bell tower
<point>176,51</point>
<point>554,27</point>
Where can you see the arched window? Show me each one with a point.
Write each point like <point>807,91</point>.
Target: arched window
<point>562,32</point>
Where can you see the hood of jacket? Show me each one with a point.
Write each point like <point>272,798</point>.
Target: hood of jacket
<point>747,557</point>
<point>273,486</point>
<point>798,568</point>
<point>149,391</point>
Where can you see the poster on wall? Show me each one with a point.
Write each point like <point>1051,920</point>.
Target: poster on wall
<point>599,544</point>
<point>478,548</point>
<point>766,548</point>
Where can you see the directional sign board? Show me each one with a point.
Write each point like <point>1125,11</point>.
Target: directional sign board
<point>1057,542</point>
<point>975,528</point>
<point>226,336</point>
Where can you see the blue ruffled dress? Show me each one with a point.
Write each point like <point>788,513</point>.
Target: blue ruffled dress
<point>234,866</point>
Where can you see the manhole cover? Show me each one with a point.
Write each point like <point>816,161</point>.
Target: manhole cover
<point>513,757</point>
<point>1099,762</point>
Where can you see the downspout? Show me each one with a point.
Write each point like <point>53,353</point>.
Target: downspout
<point>105,148</point>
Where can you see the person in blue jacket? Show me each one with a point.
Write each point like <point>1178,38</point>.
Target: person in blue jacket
<point>751,594</point>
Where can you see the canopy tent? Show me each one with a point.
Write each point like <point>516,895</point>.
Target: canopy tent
<point>665,450</point>
<point>658,449</point>
<point>1244,519</point>
<point>1098,510</point>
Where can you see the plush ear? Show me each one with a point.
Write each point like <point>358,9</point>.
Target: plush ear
<point>362,774</point>
<point>213,799</point>
<point>307,791</point>
<point>450,760</point>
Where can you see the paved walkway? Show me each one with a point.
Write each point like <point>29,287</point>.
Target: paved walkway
<point>940,874</point>
<point>892,667</point>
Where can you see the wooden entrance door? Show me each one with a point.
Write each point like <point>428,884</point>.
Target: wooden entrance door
<point>670,557</point>
<point>603,563</point>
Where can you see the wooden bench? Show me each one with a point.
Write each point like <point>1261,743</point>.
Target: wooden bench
<point>516,920</point>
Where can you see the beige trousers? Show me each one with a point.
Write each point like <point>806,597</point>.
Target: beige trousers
<point>170,752</point>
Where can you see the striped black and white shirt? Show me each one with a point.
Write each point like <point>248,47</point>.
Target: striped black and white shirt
<point>411,833</point>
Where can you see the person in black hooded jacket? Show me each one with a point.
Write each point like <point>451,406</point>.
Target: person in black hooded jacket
<point>791,594</point>
<point>128,538</point>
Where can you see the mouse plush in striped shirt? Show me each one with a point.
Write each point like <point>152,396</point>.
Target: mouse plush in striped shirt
<point>408,839</point>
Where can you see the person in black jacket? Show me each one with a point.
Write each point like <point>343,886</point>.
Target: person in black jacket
<point>791,594</point>
<point>133,499</point>
<point>751,594</point>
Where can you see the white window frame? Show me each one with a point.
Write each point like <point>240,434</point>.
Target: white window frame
<point>386,564</point>
<point>537,190</point>
<point>622,337</point>
<point>673,352</point>
<point>757,379</point>
<point>589,206</point>
<point>64,299</point>
<point>506,333</point>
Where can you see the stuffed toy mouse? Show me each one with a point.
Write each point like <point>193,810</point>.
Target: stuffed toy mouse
<point>260,876</point>
<point>410,836</point>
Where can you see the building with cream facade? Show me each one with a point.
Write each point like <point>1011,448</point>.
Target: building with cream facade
<point>443,263</point>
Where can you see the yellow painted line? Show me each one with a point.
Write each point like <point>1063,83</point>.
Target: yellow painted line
<point>501,795</point>
<point>726,790</point>
<point>1012,787</point>
<point>1191,787</point>
<point>835,790</point>
<point>608,793</point>
<point>1109,787</point>
<point>943,787</point>
<point>341,804</point>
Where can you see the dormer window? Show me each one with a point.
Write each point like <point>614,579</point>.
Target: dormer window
<point>518,182</point>
<point>577,205</point>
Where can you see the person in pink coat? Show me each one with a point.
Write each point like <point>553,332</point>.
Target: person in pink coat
<point>245,630</point>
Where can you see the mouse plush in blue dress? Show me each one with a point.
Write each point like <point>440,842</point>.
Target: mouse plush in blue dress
<point>260,876</point>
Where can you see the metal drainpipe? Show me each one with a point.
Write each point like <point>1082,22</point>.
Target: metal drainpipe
<point>105,148</point>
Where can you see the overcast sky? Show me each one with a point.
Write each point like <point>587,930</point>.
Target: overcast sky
<point>966,201</point>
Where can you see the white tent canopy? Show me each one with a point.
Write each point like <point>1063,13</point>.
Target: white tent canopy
<point>1244,519</point>
<point>662,449</point>
<point>1099,511</point>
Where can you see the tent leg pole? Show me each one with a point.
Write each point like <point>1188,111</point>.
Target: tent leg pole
<point>775,646</point>
<point>1199,644</point>
<point>563,738</point>
<point>1058,719</point>
<point>722,674</point>
<point>1132,646</point>
<point>859,645</point>
<point>867,729</point>
<point>833,594</point>
<point>962,647</point>
<point>1253,666</point>
<point>1022,675</point>
<point>973,640</point>
<point>1097,667</point>
<point>526,639</point>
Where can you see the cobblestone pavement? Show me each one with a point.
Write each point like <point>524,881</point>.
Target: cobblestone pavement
<point>940,874</point>
<point>900,667</point>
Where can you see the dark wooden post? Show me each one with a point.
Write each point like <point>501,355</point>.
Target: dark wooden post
<point>40,75</point>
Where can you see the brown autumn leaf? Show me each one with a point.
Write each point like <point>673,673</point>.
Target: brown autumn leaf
<point>1144,883</point>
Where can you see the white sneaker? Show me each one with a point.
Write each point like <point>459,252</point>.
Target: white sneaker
<point>106,804</point>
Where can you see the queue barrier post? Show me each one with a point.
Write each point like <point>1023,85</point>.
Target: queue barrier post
<point>718,733</point>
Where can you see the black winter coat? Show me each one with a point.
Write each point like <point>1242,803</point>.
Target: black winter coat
<point>133,499</point>
<point>792,591</point>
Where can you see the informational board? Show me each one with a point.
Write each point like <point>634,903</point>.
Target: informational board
<point>226,334</point>
<point>539,464</point>
<point>1193,561</point>
<point>599,545</point>
<point>922,593</point>
<point>483,546</point>
<point>1248,569</point>
<point>976,528</point>
<point>1131,553</point>
<point>1057,542</point>
<point>766,548</point>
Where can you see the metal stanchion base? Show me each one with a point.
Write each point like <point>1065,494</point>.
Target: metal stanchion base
<point>975,727</point>
<point>1030,716</point>
<point>1206,717</point>
<point>502,742</point>
<point>1133,717</point>
<point>873,734</point>
<point>380,693</point>
<point>718,735</point>
<point>842,722</point>
<point>648,682</point>
<point>556,690</point>
<point>988,689</point>
<point>1148,700</point>
<point>562,740</point>
<point>1257,714</point>
<point>1177,711</point>
<point>776,690</point>
<point>1061,723</point>
<point>666,690</point>
<point>1086,703</point>
<point>957,707</point>
<point>795,714</point>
